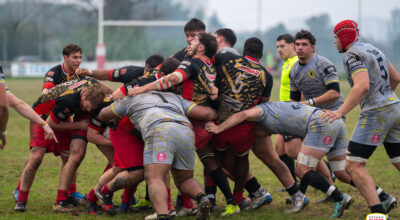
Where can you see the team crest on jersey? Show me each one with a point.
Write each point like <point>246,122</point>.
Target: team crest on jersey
<point>375,139</point>
<point>76,85</point>
<point>123,71</point>
<point>51,73</point>
<point>311,74</point>
<point>161,157</point>
<point>248,70</point>
<point>327,140</point>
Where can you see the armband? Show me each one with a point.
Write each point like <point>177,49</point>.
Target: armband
<point>311,101</point>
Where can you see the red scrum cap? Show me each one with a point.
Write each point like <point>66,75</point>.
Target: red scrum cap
<point>347,32</point>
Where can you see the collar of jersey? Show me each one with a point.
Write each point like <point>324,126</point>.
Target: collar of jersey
<point>252,59</point>
<point>205,61</point>
<point>63,68</point>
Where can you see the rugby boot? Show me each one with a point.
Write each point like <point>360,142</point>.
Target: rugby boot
<point>15,194</point>
<point>204,209</point>
<point>231,210</point>
<point>106,202</point>
<point>245,204</point>
<point>390,203</point>
<point>20,207</point>
<point>143,204</point>
<point>339,207</point>
<point>62,207</point>
<point>299,202</point>
<point>264,199</point>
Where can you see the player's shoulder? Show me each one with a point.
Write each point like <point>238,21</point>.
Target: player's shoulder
<point>57,69</point>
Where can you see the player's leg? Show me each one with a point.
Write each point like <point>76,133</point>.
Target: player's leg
<point>158,193</point>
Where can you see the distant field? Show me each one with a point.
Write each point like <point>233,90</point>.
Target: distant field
<point>44,189</point>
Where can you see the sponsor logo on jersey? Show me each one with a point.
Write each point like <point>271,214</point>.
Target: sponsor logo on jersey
<point>327,140</point>
<point>76,85</point>
<point>116,73</point>
<point>161,157</point>
<point>51,73</point>
<point>376,216</point>
<point>248,70</point>
<point>96,122</point>
<point>61,115</point>
<point>211,77</point>
<point>375,139</point>
<point>311,74</point>
<point>123,71</point>
<point>48,79</point>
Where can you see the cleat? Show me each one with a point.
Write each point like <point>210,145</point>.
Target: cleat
<point>324,200</point>
<point>143,204</point>
<point>257,202</point>
<point>172,214</point>
<point>339,207</point>
<point>123,208</point>
<point>231,210</point>
<point>62,207</point>
<point>16,194</point>
<point>106,202</point>
<point>133,200</point>
<point>390,203</point>
<point>288,201</point>
<point>94,209</point>
<point>187,212</point>
<point>245,204</point>
<point>204,209</point>
<point>20,207</point>
<point>213,203</point>
<point>298,204</point>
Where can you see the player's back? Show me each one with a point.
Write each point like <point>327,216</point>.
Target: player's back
<point>365,57</point>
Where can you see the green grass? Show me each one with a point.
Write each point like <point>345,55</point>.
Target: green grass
<point>44,189</point>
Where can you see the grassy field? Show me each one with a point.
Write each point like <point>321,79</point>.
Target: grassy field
<point>44,189</point>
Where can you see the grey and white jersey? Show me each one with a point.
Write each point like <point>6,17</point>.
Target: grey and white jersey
<point>286,118</point>
<point>313,78</point>
<point>149,109</point>
<point>365,57</point>
<point>229,49</point>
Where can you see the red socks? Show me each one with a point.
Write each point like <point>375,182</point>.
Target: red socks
<point>238,197</point>
<point>61,195</point>
<point>127,196</point>
<point>23,196</point>
<point>187,202</point>
<point>72,188</point>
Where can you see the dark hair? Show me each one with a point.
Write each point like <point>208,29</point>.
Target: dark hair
<point>228,35</point>
<point>253,47</point>
<point>210,44</point>
<point>154,60</point>
<point>304,34</point>
<point>71,48</point>
<point>194,25</point>
<point>169,65</point>
<point>287,38</point>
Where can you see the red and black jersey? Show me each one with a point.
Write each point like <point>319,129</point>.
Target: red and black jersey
<point>241,81</point>
<point>125,74</point>
<point>62,100</point>
<point>199,76</point>
<point>56,76</point>
<point>148,77</point>
<point>181,55</point>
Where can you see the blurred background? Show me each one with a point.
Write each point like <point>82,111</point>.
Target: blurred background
<point>33,32</point>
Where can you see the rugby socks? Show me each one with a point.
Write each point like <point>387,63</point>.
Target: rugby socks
<point>254,188</point>
<point>187,202</point>
<point>317,181</point>
<point>147,197</point>
<point>222,181</point>
<point>72,188</point>
<point>127,195</point>
<point>23,196</point>
<point>61,195</point>
<point>19,185</point>
<point>238,197</point>
<point>290,164</point>
<point>170,206</point>
<point>377,209</point>
<point>105,190</point>
<point>293,189</point>
<point>211,186</point>
<point>91,197</point>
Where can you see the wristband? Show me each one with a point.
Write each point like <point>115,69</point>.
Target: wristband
<point>311,101</point>
<point>4,133</point>
<point>43,124</point>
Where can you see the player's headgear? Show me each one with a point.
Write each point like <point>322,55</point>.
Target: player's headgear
<point>347,32</point>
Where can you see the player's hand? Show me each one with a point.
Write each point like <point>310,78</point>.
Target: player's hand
<point>136,91</point>
<point>214,93</point>
<point>83,125</point>
<point>3,141</point>
<point>82,72</point>
<point>212,127</point>
<point>330,116</point>
<point>49,133</point>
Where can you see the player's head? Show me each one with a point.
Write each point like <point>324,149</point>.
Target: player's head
<point>168,66</point>
<point>92,97</point>
<point>346,33</point>
<point>253,47</point>
<point>152,62</point>
<point>203,44</point>
<point>226,36</point>
<point>304,44</point>
<point>72,54</point>
<point>285,46</point>
<point>193,28</point>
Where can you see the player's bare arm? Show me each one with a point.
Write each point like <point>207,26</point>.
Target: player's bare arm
<point>237,118</point>
<point>203,113</point>
<point>357,93</point>
<point>165,82</point>
<point>80,125</point>
<point>107,114</point>
<point>393,76</point>
<point>100,74</point>
<point>118,94</point>
<point>97,138</point>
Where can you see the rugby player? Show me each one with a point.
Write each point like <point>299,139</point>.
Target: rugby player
<point>320,139</point>
<point>4,111</point>
<point>59,103</point>
<point>373,80</point>
<point>169,143</point>
<point>192,29</point>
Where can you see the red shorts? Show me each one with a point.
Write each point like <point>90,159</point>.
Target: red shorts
<point>80,116</point>
<point>238,138</point>
<point>37,140</point>
<point>202,137</point>
<point>128,149</point>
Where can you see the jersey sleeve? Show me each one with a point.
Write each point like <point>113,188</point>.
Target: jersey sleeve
<point>269,84</point>
<point>354,64</point>
<point>120,107</point>
<point>293,86</point>
<point>49,79</point>
<point>137,82</point>
<point>187,105</point>
<point>126,74</point>
<point>63,108</point>
<point>187,69</point>
<point>262,112</point>
<point>329,72</point>
<point>95,122</point>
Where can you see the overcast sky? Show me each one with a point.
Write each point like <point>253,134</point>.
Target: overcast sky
<point>242,15</point>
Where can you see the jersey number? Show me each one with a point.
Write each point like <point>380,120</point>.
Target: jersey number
<point>239,83</point>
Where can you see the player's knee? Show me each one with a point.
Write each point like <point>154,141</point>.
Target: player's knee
<point>352,166</point>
